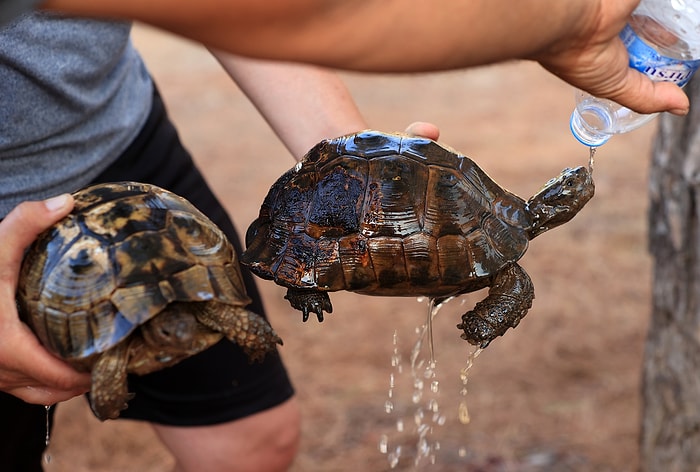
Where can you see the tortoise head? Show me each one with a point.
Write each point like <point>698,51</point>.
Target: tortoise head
<point>560,199</point>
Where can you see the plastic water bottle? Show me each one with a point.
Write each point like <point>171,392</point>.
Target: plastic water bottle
<point>663,41</point>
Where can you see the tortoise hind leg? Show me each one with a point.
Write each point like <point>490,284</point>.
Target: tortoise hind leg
<point>309,301</point>
<point>509,299</point>
<point>109,391</point>
<point>249,330</point>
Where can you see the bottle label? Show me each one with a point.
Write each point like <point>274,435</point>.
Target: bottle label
<point>659,68</point>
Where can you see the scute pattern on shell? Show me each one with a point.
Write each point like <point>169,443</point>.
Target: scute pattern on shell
<point>388,215</point>
<point>122,255</point>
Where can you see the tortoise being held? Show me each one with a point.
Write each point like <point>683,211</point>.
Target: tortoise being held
<point>134,280</point>
<point>394,215</point>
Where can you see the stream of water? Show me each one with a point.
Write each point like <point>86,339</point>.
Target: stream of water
<point>423,414</point>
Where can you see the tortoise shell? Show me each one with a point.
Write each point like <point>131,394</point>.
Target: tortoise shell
<point>388,215</point>
<point>124,253</point>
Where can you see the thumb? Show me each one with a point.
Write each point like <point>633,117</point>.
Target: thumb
<point>641,94</point>
<point>423,129</point>
<point>22,226</point>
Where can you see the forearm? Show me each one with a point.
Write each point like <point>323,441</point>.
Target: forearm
<point>371,35</point>
<point>303,104</point>
<point>575,39</point>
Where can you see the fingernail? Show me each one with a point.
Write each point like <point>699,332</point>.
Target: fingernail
<point>56,203</point>
<point>679,111</point>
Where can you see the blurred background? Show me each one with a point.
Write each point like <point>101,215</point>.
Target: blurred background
<point>561,392</point>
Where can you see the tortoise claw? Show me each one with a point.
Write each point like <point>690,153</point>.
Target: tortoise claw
<point>309,301</point>
<point>476,331</point>
<point>305,315</point>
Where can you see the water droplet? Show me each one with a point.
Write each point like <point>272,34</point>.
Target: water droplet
<point>433,405</point>
<point>388,406</point>
<point>463,413</point>
<point>384,444</point>
<point>423,450</point>
<point>678,5</point>
<point>48,424</point>
<point>435,386</point>
<point>399,426</point>
<point>46,457</point>
<point>429,328</point>
<point>462,452</point>
<point>418,417</point>
<point>417,395</point>
<point>394,457</point>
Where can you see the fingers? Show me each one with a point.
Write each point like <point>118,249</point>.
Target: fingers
<point>594,59</point>
<point>27,370</point>
<point>633,89</point>
<point>44,396</point>
<point>645,96</point>
<point>426,130</point>
<point>31,373</point>
<point>21,227</point>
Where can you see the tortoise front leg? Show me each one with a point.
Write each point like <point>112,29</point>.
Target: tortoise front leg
<point>109,392</point>
<point>509,299</point>
<point>309,301</point>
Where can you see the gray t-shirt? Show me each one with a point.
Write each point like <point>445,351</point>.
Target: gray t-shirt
<point>10,9</point>
<point>74,93</point>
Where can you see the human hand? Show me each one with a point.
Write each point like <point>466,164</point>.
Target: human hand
<point>426,130</point>
<point>27,370</point>
<point>595,60</point>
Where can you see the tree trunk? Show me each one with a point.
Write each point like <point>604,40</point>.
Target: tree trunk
<point>670,437</point>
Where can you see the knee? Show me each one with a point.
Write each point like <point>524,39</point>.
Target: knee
<point>279,443</point>
<point>264,442</point>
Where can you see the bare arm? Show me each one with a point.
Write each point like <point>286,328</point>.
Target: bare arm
<point>576,39</point>
<point>302,104</point>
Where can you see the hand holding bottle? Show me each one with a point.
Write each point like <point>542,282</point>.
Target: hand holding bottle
<point>662,38</point>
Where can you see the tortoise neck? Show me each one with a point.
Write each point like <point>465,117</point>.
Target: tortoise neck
<point>541,215</point>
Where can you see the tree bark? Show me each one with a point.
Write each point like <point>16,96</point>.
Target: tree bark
<point>670,436</point>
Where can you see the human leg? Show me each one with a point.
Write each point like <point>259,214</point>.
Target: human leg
<point>263,442</point>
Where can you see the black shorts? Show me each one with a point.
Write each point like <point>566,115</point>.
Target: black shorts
<point>215,386</point>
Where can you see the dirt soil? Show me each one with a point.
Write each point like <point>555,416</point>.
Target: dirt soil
<point>561,392</point>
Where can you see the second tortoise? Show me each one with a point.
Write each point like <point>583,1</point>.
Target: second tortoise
<point>135,280</point>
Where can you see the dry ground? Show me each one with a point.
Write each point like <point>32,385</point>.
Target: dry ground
<point>559,393</point>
